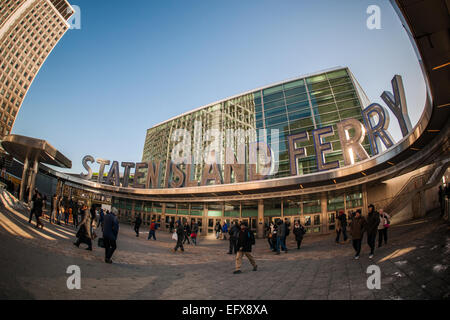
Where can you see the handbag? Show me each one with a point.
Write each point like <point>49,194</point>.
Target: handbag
<point>175,236</point>
<point>387,222</point>
<point>101,242</point>
<point>193,235</point>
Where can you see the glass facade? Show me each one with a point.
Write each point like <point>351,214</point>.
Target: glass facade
<point>299,105</point>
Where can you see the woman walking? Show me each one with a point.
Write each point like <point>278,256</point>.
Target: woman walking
<point>383,228</point>
<point>84,230</point>
<point>299,231</point>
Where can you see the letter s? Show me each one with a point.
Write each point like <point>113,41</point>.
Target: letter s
<point>85,161</point>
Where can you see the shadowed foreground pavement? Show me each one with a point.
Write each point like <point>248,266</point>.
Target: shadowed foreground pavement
<point>414,265</point>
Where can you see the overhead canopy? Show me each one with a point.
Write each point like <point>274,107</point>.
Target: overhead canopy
<point>21,148</point>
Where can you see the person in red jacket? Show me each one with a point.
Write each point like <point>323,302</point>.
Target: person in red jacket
<point>152,230</point>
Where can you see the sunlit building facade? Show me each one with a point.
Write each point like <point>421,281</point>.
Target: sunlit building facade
<point>29,30</point>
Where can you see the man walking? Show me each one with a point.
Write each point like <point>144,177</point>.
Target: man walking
<point>180,234</point>
<point>137,224</point>
<point>217,229</point>
<point>225,230</point>
<point>110,232</point>
<point>33,201</point>
<point>187,232</point>
<point>233,233</point>
<point>194,233</point>
<point>281,237</point>
<point>342,224</point>
<point>357,227</point>
<point>151,233</point>
<point>373,221</point>
<point>246,239</point>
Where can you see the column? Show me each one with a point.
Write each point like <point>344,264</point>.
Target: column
<point>324,210</point>
<point>24,179</point>
<point>205,220</point>
<point>163,217</point>
<point>365,200</point>
<point>32,179</point>
<point>260,226</point>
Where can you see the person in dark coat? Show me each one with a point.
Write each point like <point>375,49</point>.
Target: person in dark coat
<point>357,227</point>
<point>187,233</point>
<point>33,201</point>
<point>373,220</point>
<point>37,206</point>
<point>84,231</point>
<point>342,218</point>
<point>299,231</point>
<point>137,224</point>
<point>281,237</point>
<point>246,239</point>
<point>171,226</point>
<point>194,234</point>
<point>180,234</point>
<point>110,233</point>
<point>233,233</point>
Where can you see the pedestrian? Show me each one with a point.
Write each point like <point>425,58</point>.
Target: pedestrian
<point>137,224</point>
<point>152,230</point>
<point>274,231</point>
<point>341,226</point>
<point>33,201</point>
<point>171,225</point>
<point>75,214</point>
<point>246,239</point>
<point>233,233</point>
<point>38,204</point>
<point>373,221</point>
<point>180,233</point>
<point>84,231</point>
<point>101,218</point>
<point>383,228</point>
<point>59,210</point>
<point>338,228</point>
<point>299,231</point>
<point>217,229</point>
<point>269,235</point>
<point>287,224</point>
<point>53,208</point>
<point>225,230</point>
<point>281,237</point>
<point>194,233</point>
<point>110,233</point>
<point>357,227</point>
<point>187,232</point>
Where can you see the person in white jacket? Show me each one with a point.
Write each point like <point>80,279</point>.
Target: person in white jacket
<point>383,227</point>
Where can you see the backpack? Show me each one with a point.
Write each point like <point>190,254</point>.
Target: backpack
<point>251,237</point>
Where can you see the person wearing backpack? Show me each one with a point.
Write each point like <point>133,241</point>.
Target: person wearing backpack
<point>245,240</point>
<point>299,231</point>
<point>383,227</point>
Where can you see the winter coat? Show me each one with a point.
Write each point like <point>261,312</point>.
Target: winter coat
<point>357,227</point>
<point>281,230</point>
<point>195,228</point>
<point>110,226</point>
<point>225,228</point>
<point>338,224</point>
<point>84,229</point>
<point>138,221</point>
<point>373,220</point>
<point>217,227</point>
<point>180,232</point>
<point>245,240</point>
<point>234,231</point>
<point>383,220</point>
<point>299,232</point>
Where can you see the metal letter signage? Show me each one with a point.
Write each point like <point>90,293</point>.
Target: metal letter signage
<point>262,156</point>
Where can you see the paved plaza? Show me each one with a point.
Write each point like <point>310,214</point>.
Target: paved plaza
<point>414,265</point>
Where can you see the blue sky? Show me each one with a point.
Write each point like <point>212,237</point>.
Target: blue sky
<point>134,64</point>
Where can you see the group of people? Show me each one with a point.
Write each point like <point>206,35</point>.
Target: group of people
<point>185,232</point>
<point>277,232</point>
<point>152,229</point>
<point>375,223</point>
<point>109,225</point>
